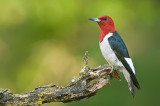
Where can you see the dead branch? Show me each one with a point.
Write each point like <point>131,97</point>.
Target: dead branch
<point>90,81</point>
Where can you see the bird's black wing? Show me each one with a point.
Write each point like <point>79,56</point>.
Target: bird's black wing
<point>120,49</point>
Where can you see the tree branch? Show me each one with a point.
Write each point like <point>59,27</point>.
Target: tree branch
<point>90,81</point>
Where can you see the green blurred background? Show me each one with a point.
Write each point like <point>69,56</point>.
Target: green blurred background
<point>43,42</point>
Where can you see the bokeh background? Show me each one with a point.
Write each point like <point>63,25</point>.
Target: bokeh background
<point>43,42</point>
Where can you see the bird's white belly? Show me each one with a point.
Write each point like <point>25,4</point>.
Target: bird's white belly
<point>108,53</point>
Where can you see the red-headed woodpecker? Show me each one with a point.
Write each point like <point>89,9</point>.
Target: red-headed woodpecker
<point>115,51</point>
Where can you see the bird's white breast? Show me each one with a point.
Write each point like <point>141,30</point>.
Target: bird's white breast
<point>108,53</point>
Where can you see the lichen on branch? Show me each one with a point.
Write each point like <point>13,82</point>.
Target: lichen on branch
<point>89,82</point>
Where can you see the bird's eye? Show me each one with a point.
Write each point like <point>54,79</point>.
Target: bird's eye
<point>105,18</point>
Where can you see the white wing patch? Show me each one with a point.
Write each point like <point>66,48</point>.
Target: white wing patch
<point>129,61</point>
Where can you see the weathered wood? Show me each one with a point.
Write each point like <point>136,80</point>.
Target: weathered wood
<point>90,81</point>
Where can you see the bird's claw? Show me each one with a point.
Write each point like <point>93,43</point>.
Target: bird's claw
<point>112,68</point>
<point>109,74</point>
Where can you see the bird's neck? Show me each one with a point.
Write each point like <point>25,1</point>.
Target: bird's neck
<point>104,33</point>
<point>105,29</point>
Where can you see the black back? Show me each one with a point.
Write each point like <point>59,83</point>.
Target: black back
<point>121,52</point>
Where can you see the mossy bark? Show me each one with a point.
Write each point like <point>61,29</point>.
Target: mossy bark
<point>87,85</point>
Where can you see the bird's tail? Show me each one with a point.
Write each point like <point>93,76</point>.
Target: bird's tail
<point>131,87</point>
<point>130,82</point>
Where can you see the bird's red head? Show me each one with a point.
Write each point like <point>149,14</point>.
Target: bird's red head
<point>106,25</point>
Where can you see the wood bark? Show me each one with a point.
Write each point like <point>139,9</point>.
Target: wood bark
<point>87,85</point>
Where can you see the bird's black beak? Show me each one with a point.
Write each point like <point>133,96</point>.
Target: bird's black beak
<point>95,19</point>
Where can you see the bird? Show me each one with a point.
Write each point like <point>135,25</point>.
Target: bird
<point>115,51</point>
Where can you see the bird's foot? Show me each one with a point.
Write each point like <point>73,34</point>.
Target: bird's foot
<point>110,73</point>
<point>113,70</point>
<point>113,73</point>
<point>113,67</point>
